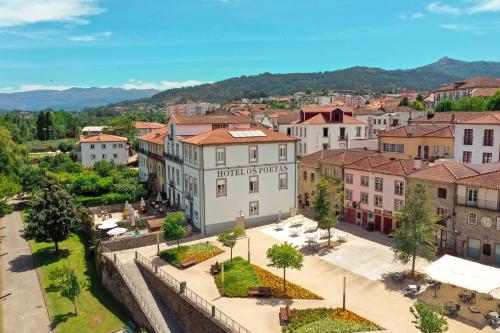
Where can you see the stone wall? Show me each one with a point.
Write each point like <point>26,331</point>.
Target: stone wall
<point>141,241</point>
<point>113,281</point>
<point>188,316</point>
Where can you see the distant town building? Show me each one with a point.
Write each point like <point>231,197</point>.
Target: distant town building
<point>475,86</point>
<point>477,140</point>
<point>322,127</point>
<point>192,109</point>
<point>102,147</point>
<point>92,130</point>
<point>147,127</point>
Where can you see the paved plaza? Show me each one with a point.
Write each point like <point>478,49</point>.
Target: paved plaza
<point>321,274</point>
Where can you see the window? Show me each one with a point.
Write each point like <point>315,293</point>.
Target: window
<point>177,149</point>
<point>487,158</point>
<point>471,196</point>
<point>378,201</point>
<point>283,181</point>
<point>115,155</point>
<point>300,132</point>
<point>120,145</point>
<point>325,146</point>
<point>305,175</point>
<point>195,186</point>
<point>221,187</point>
<point>177,176</point>
<point>379,184</point>
<point>472,218</point>
<point>365,180</point>
<point>115,145</point>
<point>435,150</point>
<point>488,137</point>
<point>498,223</point>
<point>399,187</point>
<point>446,150</point>
<point>195,155</point>
<point>289,131</point>
<point>363,197</point>
<point>348,178</point>
<point>398,204</point>
<point>252,154</point>
<point>442,193</point>
<point>393,148</point>
<point>468,136</point>
<point>313,177</point>
<point>253,184</point>
<point>282,152</point>
<point>104,156</point>
<point>92,146</point>
<point>348,194</point>
<point>325,132</point>
<point>358,131</point>
<point>92,157</point>
<point>385,121</point>
<point>305,132</point>
<point>220,156</point>
<point>190,154</point>
<point>467,157</point>
<point>253,208</point>
<point>305,149</point>
<point>103,145</point>
<point>474,248</point>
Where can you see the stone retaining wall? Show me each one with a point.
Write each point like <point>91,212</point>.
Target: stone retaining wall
<point>142,240</point>
<point>188,316</point>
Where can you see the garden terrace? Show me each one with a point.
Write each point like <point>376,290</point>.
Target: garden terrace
<point>328,320</point>
<point>240,276</point>
<point>195,253</point>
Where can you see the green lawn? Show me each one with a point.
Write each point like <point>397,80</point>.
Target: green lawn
<point>200,251</point>
<point>97,312</point>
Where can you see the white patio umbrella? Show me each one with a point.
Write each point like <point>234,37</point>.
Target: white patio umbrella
<point>106,226</point>
<point>131,214</point>
<point>143,203</point>
<point>117,231</point>
<point>158,197</point>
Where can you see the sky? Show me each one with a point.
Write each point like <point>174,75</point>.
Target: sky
<point>162,44</point>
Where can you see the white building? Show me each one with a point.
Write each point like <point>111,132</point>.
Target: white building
<point>192,109</point>
<point>182,127</point>
<point>484,86</point>
<point>380,121</point>
<point>239,171</point>
<point>477,140</point>
<point>103,147</point>
<point>92,130</point>
<point>324,127</point>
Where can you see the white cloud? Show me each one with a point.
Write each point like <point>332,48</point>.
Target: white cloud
<point>30,87</point>
<point>485,6</point>
<point>417,15</point>
<point>91,37</point>
<point>439,8</point>
<point>163,85</point>
<point>24,12</point>
<point>453,27</point>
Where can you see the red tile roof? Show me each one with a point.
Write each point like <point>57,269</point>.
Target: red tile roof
<point>326,107</point>
<point>155,136</point>
<point>199,120</point>
<point>486,118</point>
<point>485,92</point>
<point>369,162</point>
<point>474,82</point>
<point>402,167</point>
<point>223,136</point>
<point>291,118</point>
<point>104,138</point>
<point>446,172</point>
<point>489,180</point>
<point>148,125</point>
<point>440,131</point>
<point>335,156</point>
<point>447,117</point>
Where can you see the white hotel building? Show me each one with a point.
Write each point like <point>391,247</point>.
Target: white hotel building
<point>219,173</point>
<point>102,147</point>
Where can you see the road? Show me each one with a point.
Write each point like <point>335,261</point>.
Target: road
<point>24,310</point>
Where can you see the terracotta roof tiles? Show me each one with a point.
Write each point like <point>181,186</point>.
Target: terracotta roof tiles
<point>148,125</point>
<point>155,136</point>
<point>223,136</point>
<point>446,172</point>
<point>441,131</point>
<point>104,138</point>
<point>489,180</point>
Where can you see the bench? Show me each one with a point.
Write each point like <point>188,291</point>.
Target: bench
<point>285,315</point>
<point>259,292</point>
<point>215,269</point>
<point>188,262</point>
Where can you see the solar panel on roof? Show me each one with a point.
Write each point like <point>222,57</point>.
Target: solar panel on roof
<point>247,134</point>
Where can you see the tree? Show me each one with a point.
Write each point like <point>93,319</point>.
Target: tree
<point>104,168</point>
<point>444,106</point>
<point>72,288</point>
<point>44,122</point>
<point>420,98</point>
<point>429,318</point>
<point>172,229</point>
<point>284,256</point>
<point>32,179</point>
<point>52,216</point>
<point>493,103</point>
<point>325,203</point>
<point>228,238</point>
<point>59,274</point>
<point>404,101</point>
<point>7,189</point>
<point>417,227</point>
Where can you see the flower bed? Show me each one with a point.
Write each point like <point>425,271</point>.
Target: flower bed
<point>327,320</point>
<point>241,275</point>
<point>200,251</point>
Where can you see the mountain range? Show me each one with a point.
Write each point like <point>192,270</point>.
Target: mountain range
<point>360,79</point>
<point>70,99</point>
<point>365,79</point>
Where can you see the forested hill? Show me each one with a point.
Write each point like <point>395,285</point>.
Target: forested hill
<point>355,78</point>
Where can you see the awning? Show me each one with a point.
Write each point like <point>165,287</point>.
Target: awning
<point>465,274</point>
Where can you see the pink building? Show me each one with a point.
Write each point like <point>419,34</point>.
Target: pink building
<point>375,190</point>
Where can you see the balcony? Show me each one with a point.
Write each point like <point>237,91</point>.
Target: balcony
<point>151,154</point>
<point>173,158</point>
<point>343,137</point>
<point>479,203</point>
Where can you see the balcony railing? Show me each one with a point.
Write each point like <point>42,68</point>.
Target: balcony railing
<point>479,203</point>
<point>173,158</point>
<point>343,137</point>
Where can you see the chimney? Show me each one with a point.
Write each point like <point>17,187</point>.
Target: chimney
<point>453,117</point>
<point>430,115</point>
<point>411,129</point>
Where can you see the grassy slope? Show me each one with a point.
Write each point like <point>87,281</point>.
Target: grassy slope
<point>96,309</point>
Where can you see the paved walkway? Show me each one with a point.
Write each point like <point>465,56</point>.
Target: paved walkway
<point>154,303</point>
<point>24,309</point>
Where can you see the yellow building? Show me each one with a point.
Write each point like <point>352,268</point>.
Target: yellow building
<point>427,142</point>
<point>150,158</point>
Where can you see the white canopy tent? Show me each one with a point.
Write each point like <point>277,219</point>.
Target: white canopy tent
<point>106,226</point>
<point>465,274</point>
<point>117,231</point>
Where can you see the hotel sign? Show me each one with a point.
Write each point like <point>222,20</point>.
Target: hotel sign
<point>252,170</point>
